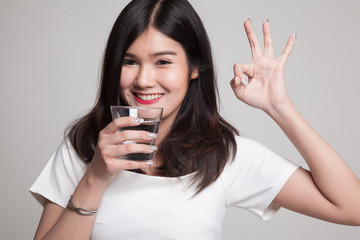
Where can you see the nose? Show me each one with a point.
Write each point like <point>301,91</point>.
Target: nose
<point>145,77</point>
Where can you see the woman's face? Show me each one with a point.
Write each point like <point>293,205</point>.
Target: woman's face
<point>155,73</point>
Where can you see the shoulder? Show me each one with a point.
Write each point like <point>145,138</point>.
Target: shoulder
<point>60,175</point>
<point>247,146</point>
<point>254,177</point>
<point>242,141</point>
<point>252,156</point>
<point>66,157</point>
<point>66,152</point>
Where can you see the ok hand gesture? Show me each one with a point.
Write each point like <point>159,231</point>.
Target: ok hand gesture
<point>265,88</point>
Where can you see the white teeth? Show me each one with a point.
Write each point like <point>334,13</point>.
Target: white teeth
<point>149,96</point>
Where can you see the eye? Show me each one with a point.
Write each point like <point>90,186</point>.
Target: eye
<point>129,62</point>
<point>163,62</point>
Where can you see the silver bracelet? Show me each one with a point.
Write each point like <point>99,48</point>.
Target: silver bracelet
<point>81,211</point>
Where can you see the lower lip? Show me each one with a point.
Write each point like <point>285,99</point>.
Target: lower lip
<point>147,101</point>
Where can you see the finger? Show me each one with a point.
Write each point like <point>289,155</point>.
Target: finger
<point>287,50</point>
<point>241,69</point>
<point>237,84</point>
<point>268,45</point>
<point>121,122</point>
<point>115,151</point>
<point>239,80</point>
<point>131,135</point>
<point>128,164</point>
<point>254,43</point>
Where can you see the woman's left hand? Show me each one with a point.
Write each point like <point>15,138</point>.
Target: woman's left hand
<point>265,88</point>
<point>331,191</point>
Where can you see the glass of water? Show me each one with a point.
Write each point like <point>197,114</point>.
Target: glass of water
<point>149,118</point>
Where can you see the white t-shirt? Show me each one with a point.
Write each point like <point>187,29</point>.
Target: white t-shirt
<point>137,206</point>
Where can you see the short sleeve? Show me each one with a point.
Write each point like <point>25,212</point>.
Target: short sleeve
<point>60,176</point>
<point>255,177</point>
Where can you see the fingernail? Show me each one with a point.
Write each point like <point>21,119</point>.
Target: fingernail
<point>249,20</point>
<point>244,82</point>
<point>153,147</point>
<point>294,34</point>
<point>139,120</point>
<point>152,135</point>
<point>149,162</point>
<point>266,20</point>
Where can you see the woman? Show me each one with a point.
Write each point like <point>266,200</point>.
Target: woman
<point>158,54</point>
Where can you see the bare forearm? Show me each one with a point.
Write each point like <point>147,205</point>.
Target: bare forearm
<point>331,174</point>
<point>70,224</point>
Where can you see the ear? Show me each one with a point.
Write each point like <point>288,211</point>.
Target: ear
<point>195,73</point>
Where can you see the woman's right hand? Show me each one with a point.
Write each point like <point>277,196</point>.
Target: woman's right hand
<point>106,162</point>
<point>57,222</point>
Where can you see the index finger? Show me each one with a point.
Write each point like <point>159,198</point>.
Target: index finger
<point>121,122</point>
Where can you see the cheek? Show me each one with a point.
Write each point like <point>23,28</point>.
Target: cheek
<point>176,80</point>
<point>126,79</point>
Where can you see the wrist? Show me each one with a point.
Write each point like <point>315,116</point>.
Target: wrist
<point>88,193</point>
<point>92,181</point>
<point>281,110</point>
<point>81,211</point>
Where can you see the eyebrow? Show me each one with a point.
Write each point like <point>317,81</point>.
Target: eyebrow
<point>161,53</point>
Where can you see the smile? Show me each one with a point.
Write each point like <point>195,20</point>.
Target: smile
<point>148,98</point>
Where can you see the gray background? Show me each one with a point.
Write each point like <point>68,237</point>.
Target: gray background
<point>50,56</point>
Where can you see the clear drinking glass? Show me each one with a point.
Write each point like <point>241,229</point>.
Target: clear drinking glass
<point>149,118</point>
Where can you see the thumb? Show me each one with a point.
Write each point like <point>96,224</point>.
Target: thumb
<point>238,85</point>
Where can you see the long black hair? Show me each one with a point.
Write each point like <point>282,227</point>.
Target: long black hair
<point>200,140</point>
